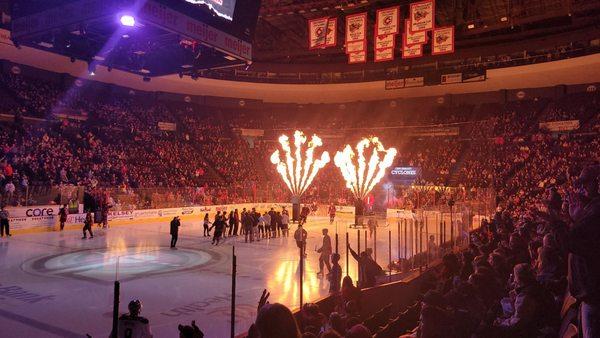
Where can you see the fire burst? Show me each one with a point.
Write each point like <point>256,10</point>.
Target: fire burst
<point>296,172</point>
<point>362,176</point>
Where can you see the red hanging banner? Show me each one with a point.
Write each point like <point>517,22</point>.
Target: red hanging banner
<point>357,57</point>
<point>413,51</point>
<point>422,16</point>
<point>384,54</point>
<point>356,27</point>
<point>443,41</point>
<point>416,38</point>
<point>387,21</point>
<point>322,33</point>
<point>317,33</point>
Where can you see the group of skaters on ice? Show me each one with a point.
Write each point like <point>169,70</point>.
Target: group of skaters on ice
<point>249,223</point>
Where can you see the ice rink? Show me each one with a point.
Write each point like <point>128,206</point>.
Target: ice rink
<point>56,284</point>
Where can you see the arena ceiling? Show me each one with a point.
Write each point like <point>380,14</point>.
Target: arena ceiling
<point>281,33</point>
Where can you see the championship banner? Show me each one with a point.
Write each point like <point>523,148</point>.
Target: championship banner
<point>356,27</point>
<point>560,125</point>
<point>413,51</point>
<point>384,54</point>
<point>422,16</point>
<point>394,84</point>
<point>357,57</point>
<point>356,46</point>
<point>413,38</point>
<point>317,32</point>
<point>387,21</point>
<point>414,81</point>
<point>451,78</point>
<point>385,41</point>
<point>331,37</point>
<point>443,41</point>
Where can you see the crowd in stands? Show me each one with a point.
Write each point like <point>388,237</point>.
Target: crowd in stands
<point>111,141</point>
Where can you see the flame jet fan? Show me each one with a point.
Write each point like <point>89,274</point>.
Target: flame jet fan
<point>299,167</point>
<point>361,175</point>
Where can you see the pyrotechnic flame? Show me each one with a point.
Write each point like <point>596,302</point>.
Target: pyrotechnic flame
<point>297,173</point>
<point>362,176</point>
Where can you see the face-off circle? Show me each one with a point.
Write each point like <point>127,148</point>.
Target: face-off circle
<point>107,264</point>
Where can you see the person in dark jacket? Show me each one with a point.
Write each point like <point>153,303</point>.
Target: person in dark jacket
<point>219,226</point>
<point>584,252</point>
<point>175,224</point>
<point>62,216</point>
<point>87,225</point>
<point>368,269</point>
<point>4,222</point>
<point>231,221</point>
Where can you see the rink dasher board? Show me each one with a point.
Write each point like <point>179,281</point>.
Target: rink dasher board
<point>48,221</point>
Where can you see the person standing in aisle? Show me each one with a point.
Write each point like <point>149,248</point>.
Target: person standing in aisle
<point>4,222</point>
<point>174,231</point>
<point>62,216</point>
<point>87,225</point>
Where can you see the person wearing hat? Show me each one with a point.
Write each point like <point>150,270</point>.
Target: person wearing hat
<point>132,324</point>
<point>174,231</point>
<point>582,242</point>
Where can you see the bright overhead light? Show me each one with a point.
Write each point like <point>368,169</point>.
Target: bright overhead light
<point>503,19</point>
<point>127,20</point>
<point>471,26</point>
<point>229,57</point>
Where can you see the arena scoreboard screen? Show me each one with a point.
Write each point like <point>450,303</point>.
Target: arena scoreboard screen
<point>223,8</point>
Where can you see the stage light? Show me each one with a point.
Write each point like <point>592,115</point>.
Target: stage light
<point>127,20</point>
<point>503,19</point>
<point>296,170</point>
<point>471,26</point>
<point>362,176</point>
<point>91,69</point>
